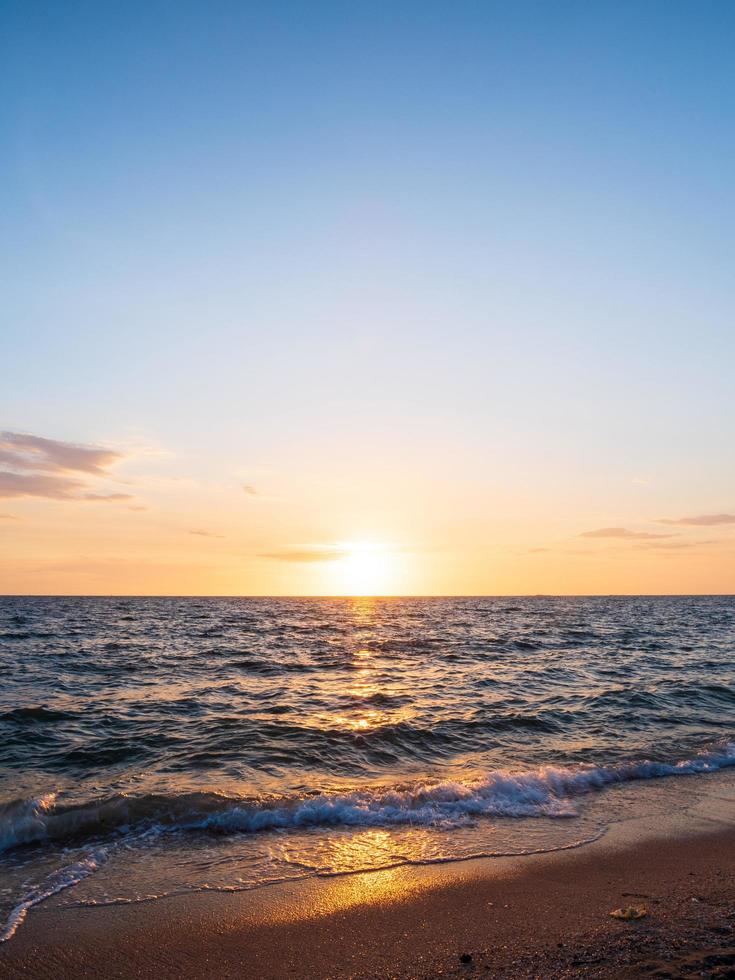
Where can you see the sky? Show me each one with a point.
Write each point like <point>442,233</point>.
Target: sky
<point>321,298</point>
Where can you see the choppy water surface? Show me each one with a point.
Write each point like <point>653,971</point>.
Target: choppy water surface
<point>155,745</point>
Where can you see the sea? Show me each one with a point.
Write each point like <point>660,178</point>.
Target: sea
<point>159,746</point>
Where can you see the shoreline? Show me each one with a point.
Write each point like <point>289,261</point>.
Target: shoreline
<point>535,915</point>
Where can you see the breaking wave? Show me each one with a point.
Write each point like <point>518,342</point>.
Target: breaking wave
<point>545,792</point>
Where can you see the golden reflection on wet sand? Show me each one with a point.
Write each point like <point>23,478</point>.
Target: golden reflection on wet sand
<point>325,896</point>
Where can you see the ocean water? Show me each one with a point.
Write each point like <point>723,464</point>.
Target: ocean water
<point>157,745</point>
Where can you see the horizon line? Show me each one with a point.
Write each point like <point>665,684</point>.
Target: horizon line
<point>407,595</point>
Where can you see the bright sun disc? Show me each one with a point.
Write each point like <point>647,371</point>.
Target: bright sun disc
<point>366,569</point>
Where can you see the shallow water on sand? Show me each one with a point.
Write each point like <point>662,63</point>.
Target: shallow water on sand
<point>153,745</point>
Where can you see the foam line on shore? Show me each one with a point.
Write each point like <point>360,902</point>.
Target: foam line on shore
<point>54,883</point>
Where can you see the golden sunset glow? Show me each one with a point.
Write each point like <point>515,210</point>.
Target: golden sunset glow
<point>150,523</point>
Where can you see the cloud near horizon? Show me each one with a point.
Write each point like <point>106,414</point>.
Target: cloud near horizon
<point>54,470</point>
<point>108,496</point>
<point>703,520</point>
<point>307,553</point>
<point>623,533</point>
<point>673,545</point>
<point>205,534</point>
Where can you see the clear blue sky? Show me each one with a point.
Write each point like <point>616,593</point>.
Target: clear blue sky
<point>274,230</point>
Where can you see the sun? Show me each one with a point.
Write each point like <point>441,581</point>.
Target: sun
<point>367,568</point>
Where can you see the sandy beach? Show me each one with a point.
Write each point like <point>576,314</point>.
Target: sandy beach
<point>536,916</point>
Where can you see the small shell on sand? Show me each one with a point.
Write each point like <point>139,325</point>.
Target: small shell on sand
<point>630,912</point>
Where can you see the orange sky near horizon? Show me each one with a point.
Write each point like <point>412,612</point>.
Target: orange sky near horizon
<point>129,519</point>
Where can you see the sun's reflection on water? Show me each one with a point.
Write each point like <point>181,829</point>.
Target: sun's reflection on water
<point>369,691</point>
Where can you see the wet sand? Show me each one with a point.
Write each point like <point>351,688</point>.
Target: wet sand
<point>536,916</point>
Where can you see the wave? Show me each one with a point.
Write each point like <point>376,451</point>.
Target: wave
<point>545,792</point>
<point>36,713</point>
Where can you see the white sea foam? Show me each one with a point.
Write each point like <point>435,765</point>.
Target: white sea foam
<point>545,792</point>
<point>54,883</point>
<point>24,821</point>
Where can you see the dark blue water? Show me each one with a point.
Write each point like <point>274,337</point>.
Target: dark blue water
<point>281,732</point>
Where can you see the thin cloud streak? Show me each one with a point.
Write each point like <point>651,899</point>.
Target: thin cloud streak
<point>108,496</point>
<point>674,545</point>
<point>307,553</point>
<point>623,533</point>
<point>703,520</point>
<point>205,534</point>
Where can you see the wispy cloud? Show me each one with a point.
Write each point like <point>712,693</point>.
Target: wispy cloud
<point>306,553</point>
<point>702,520</point>
<point>35,485</point>
<point>205,534</point>
<point>623,533</point>
<point>538,551</point>
<point>21,450</point>
<point>108,496</point>
<point>34,466</point>
<point>674,545</point>
<point>250,490</point>
<point>8,517</point>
